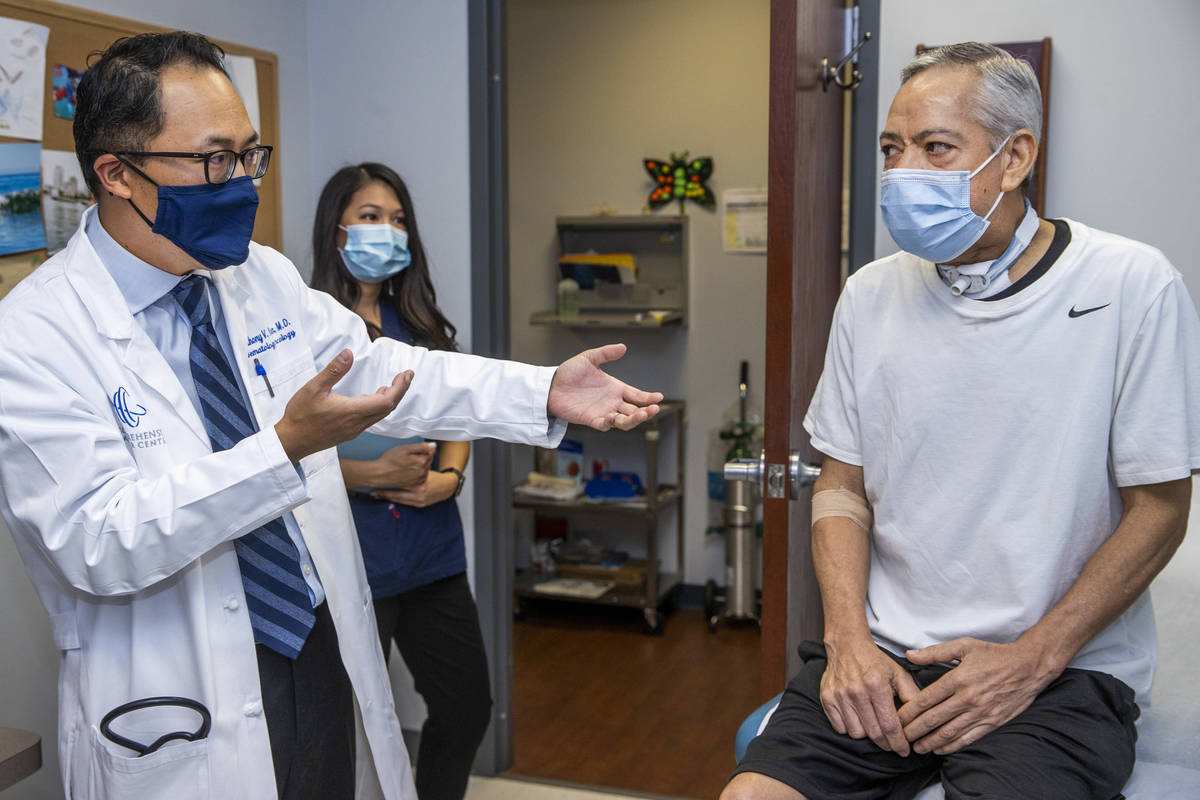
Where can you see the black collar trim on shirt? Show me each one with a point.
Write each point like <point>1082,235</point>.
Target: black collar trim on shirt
<point>1062,238</point>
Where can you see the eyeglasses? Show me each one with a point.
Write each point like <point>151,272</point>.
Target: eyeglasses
<point>219,165</point>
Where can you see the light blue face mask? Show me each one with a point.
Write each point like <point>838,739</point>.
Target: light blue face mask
<point>928,211</point>
<point>374,253</point>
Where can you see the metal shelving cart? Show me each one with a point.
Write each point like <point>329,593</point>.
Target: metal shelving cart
<point>658,587</point>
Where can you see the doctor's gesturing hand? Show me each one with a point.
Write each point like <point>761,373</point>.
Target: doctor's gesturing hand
<point>317,418</point>
<point>584,394</point>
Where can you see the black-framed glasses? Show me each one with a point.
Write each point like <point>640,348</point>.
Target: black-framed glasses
<point>220,164</point>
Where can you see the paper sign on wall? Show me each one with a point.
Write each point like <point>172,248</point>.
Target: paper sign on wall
<point>744,212</point>
<point>22,77</point>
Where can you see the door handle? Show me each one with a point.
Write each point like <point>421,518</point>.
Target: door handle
<point>780,481</point>
<point>803,474</point>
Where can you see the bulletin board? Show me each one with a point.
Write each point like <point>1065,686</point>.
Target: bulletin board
<point>75,33</point>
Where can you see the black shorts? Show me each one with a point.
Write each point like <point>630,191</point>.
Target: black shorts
<point>1076,740</point>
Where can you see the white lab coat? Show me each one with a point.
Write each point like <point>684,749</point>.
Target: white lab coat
<point>126,527</point>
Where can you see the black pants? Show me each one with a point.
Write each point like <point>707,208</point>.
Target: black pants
<point>309,708</point>
<point>1075,742</point>
<point>436,628</point>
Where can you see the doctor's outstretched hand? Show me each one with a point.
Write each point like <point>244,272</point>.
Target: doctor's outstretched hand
<point>317,418</point>
<point>584,394</point>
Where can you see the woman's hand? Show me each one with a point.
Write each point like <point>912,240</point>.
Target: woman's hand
<point>436,487</point>
<point>405,465</point>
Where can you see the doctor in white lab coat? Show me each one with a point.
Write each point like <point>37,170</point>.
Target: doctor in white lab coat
<point>125,517</point>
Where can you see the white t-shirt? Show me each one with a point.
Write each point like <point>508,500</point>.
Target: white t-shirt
<point>994,435</point>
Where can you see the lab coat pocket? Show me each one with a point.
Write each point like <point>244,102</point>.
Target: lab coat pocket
<point>319,461</point>
<point>272,387</point>
<point>178,770</point>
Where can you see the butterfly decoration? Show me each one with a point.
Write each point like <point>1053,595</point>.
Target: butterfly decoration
<point>680,178</point>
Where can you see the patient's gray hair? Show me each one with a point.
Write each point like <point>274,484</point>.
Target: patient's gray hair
<point>1009,97</point>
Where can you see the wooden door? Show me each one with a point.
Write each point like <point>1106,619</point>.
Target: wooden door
<point>803,280</point>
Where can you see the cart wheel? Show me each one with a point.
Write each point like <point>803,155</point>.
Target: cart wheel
<point>653,622</point>
<point>710,604</point>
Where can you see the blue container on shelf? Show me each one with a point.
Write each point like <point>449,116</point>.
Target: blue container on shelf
<point>614,486</point>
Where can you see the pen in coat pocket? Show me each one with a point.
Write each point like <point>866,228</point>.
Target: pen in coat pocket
<point>259,369</point>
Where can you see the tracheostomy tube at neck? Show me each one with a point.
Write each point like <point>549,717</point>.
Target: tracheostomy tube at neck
<point>987,278</point>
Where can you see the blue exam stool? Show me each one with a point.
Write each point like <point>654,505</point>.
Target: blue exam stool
<point>752,726</point>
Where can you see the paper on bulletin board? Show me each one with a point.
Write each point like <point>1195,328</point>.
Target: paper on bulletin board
<point>21,227</point>
<point>65,197</point>
<point>22,78</point>
<point>745,215</point>
<point>244,76</point>
<point>64,83</point>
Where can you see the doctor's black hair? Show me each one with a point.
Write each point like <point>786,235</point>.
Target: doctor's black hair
<point>411,290</point>
<point>118,100</point>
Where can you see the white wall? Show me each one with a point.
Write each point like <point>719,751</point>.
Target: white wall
<point>593,88</point>
<point>1123,116</point>
<point>388,83</point>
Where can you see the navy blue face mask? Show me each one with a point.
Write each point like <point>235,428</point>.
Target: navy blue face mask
<point>211,222</point>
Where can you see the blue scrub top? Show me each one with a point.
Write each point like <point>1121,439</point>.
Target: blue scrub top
<point>405,547</point>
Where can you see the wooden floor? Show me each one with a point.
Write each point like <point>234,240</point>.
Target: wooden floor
<point>597,702</point>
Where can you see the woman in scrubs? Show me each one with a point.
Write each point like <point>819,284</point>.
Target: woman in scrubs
<point>367,253</point>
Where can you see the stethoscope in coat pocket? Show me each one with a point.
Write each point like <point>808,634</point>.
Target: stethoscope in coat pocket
<point>152,702</point>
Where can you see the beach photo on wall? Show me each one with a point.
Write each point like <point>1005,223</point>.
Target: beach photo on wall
<point>64,197</point>
<point>20,207</point>
<point>63,86</point>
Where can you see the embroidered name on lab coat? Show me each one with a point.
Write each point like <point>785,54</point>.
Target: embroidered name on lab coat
<point>269,337</point>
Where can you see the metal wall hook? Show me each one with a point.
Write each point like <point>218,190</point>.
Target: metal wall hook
<point>834,74</point>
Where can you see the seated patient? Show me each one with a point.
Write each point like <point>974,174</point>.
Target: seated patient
<point>1017,401</point>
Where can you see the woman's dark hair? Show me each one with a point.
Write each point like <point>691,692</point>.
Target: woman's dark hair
<point>411,290</point>
<point>119,99</point>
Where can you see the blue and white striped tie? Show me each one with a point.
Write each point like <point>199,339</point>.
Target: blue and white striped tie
<point>276,595</point>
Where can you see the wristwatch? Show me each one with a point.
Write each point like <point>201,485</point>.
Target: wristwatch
<point>461,478</point>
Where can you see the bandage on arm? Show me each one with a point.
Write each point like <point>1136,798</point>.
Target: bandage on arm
<point>841,503</point>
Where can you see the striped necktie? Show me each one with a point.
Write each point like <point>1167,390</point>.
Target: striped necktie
<point>277,597</point>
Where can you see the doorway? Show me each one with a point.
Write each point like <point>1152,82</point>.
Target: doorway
<point>566,173</point>
<point>592,90</point>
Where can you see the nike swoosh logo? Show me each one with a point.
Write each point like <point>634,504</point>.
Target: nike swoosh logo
<point>1073,313</point>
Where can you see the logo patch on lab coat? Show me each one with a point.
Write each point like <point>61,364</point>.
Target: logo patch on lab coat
<point>129,412</point>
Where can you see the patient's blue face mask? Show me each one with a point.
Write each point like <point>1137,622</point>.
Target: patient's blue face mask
<point>374,253</point>
<point>928,211</point>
